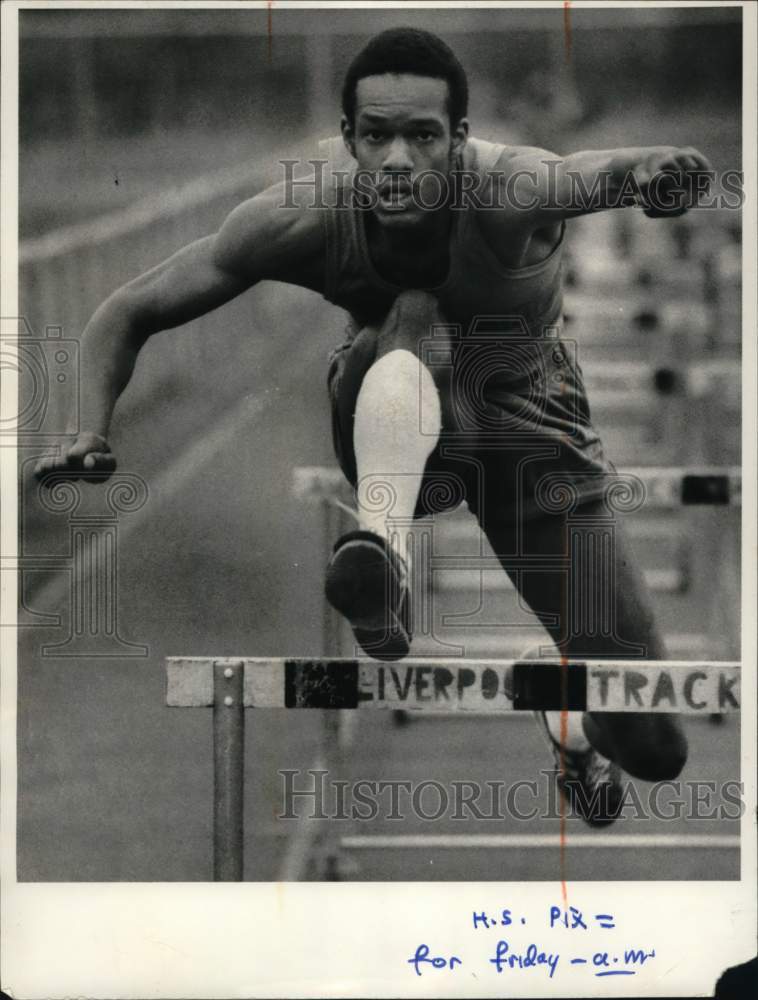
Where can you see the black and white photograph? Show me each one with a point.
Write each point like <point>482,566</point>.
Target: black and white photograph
<point>379,458</point>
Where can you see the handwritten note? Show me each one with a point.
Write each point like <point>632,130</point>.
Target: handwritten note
<point>536,944</point>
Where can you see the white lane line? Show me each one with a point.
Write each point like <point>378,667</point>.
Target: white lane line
<point>164,486</point>
<point>462,841</point>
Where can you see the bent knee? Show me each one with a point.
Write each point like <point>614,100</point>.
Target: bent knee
<point>649,746</point>
<point>411,318</point>
<point>663,760</point>
<point>415,302</point>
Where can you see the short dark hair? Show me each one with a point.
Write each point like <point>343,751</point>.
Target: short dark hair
<point>408,50</point>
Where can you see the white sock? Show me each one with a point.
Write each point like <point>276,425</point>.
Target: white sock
<point>574,733</point>
<point>397,423</point>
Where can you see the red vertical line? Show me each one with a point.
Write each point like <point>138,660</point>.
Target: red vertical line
<point>563,649</point>
<point>567,28</point>
<point>564,716</point>
<point>270,27</point>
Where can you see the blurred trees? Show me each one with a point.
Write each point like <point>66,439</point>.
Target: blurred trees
<point>106,73</point>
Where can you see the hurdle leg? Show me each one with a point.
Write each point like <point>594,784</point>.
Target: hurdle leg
<point>495,686</point>
<point>228,771</point>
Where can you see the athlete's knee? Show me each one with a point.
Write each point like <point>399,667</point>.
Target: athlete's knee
<point>665,760</point>
<point>412,317</point>
<point>663,766</point>
<point>415,304</point>
<point>649,747</point>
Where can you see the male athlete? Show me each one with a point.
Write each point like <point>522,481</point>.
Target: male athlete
<point>415,403</point>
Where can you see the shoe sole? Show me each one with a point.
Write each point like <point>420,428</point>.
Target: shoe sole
<point>573,799</point>
<point>359,583</point>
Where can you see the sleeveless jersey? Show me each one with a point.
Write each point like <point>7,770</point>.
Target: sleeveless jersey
<point>477,284</point>
<point>508,323</point>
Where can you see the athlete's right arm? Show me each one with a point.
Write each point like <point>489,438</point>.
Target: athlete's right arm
<point>258,240</point>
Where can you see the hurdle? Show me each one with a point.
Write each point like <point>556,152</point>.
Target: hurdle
<point>451,558</point>
<point>455,561</point>
<point>663,487</point>
<point>229,685</point>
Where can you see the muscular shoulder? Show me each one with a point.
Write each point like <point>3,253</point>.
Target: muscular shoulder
<point>513,168</point>
<point>512,184</point>
<point>528,154</point>
<point>277,234</point>
<point>488,157</point>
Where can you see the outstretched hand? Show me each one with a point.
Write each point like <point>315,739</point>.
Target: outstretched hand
<point>673,181</point>
<point>89,456</point>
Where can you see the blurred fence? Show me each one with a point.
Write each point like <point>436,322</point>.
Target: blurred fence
<point>67,273</point>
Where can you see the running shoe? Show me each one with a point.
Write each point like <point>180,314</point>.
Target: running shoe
<point>367,582</point>
<point>589,783</point>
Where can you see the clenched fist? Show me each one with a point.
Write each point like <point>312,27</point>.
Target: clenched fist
<point>672,181</point>
<point>89,456</point>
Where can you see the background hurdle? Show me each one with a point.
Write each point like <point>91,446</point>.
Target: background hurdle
<point>681,505</point>
<point>229,685</point>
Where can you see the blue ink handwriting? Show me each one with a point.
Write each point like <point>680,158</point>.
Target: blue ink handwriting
<point>557,915</point>
<point>421,957</point>
<point>512,955</point>
<point>532,957</point>
<point>504,920</point>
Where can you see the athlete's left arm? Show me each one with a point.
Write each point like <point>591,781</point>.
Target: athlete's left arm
<point>665,180</point>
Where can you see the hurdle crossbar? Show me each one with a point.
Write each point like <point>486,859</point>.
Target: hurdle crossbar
<point>231,684</point>
<point>665,488</point>
<point>458,685</point>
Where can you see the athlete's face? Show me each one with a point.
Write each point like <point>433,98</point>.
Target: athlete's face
<point>402,133</point>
